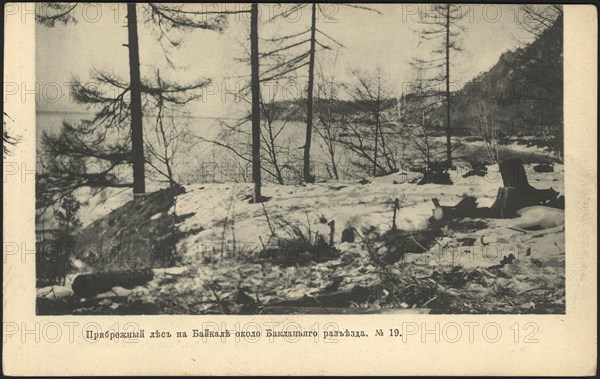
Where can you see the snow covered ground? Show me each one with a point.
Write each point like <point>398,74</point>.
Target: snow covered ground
<point>537,267</point>
<point>349,204</point>
<point>225,229</point>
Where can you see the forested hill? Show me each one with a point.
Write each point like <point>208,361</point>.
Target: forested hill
<point>522,92</point>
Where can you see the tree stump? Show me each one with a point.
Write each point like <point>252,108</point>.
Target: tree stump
<point>396,206</point>
<point>513,174</point>
<point>331,232</point>
<point>348,235</point>
<point>503,206</point>
<point>517,193</point>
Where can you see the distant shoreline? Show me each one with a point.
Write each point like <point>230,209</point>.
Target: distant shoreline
<point>37,111</point>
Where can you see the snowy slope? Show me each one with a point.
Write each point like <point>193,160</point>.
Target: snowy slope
<point>348,204</point>
<point>225,229</point>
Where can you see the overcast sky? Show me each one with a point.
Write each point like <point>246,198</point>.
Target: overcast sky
<point>389,40</point>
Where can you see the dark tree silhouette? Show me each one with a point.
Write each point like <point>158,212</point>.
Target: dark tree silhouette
<point>255,85</point>
<point>135,104</point>
<point>80,145</point>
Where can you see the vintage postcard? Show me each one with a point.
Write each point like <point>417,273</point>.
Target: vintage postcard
<point>299,189</point>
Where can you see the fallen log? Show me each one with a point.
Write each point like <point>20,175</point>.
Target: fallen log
<point>517,193</point>
<point>467,207</point>
<point>89,285</point>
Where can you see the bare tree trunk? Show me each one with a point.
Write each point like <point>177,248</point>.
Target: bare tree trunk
<point>137,131</point>
<point>255,102</point>
<point>273,152</point>
<point>377,126</point>
<point>426,140</point>
<point>448,142</point>
<point>334,168</point>
<point>308,178</point>
<point>375,150</point>
<point>165,140</point>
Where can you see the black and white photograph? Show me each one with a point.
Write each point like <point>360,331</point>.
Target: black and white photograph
<point>298,159</point>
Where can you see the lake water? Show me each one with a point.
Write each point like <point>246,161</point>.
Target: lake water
<point>202,161</point>
<point>51,122</point>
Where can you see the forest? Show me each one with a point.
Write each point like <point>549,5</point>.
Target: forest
<point>331,191</point>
